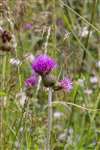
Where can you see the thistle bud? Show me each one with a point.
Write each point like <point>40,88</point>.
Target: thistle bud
<point>48,80</point>
<point>6,47</point>
<point>5,41</point>
<point>57,86</point>
<point>6,36</point>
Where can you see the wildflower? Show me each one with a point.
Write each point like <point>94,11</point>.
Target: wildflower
<point>31,81</point>
<point>62,137</point>
<point>60,22</point>
<point>43,64</point>
<point>98,64</point>
<point>84,32</point>
<point>67,34</point>
<point>21,129</point>
<point>81,82</point>
<point>28,26</point>
<point>66,84</point>
<point>58,115</point>
<point>88,91</point>
<point>70,130</point>
<point>94,79</point>
<point>21,96</point>
<point>15,61</point>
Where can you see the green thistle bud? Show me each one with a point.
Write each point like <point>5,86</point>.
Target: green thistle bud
<point>57,86</point>
<point>48,80</point>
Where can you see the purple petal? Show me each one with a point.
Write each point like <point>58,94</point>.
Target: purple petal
<point>28,26</point>
<point>43,64</point>
<point>31,81</point>
<point>66,84</point>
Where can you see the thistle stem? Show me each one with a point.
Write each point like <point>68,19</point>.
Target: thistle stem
<point>2,131</point>
<point>38,86</point>
<point>48,147</point>
<point>94,6</point>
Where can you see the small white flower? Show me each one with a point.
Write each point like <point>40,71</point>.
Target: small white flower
<point>21,129</point>
<point>62,136</point>
<point>67,34</point>
<point>81,82</point>
<point>84,32</point>
<point>88,91</point>
<point>15,61</point>
<point>22,98</point>
<point>70,130</point>
<point>98,64</point>
<point>94,79</point>
<point>57,115</point>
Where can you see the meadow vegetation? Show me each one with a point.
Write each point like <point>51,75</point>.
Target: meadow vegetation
<point>50,74</point>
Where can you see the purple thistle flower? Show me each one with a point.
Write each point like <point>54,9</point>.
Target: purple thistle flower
<point>31,81</point>
<point>28,26</point>
<point>66,84</point>
<point>43,64</point>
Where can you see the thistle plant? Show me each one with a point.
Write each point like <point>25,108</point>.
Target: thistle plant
<point>42,66</point>
<point>40,114</point>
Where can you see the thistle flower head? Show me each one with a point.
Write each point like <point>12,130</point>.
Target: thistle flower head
<point>43,64</point>
<point>6,36</point>
<point>66,84</point>
<point>31,81</point>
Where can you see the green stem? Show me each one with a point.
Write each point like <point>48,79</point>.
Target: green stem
<point>20,122</point>
<point>54,27</point>
<point>77,14</point>
<point>48,146</point>
<point>2,108</point>
<point>94,6</point>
